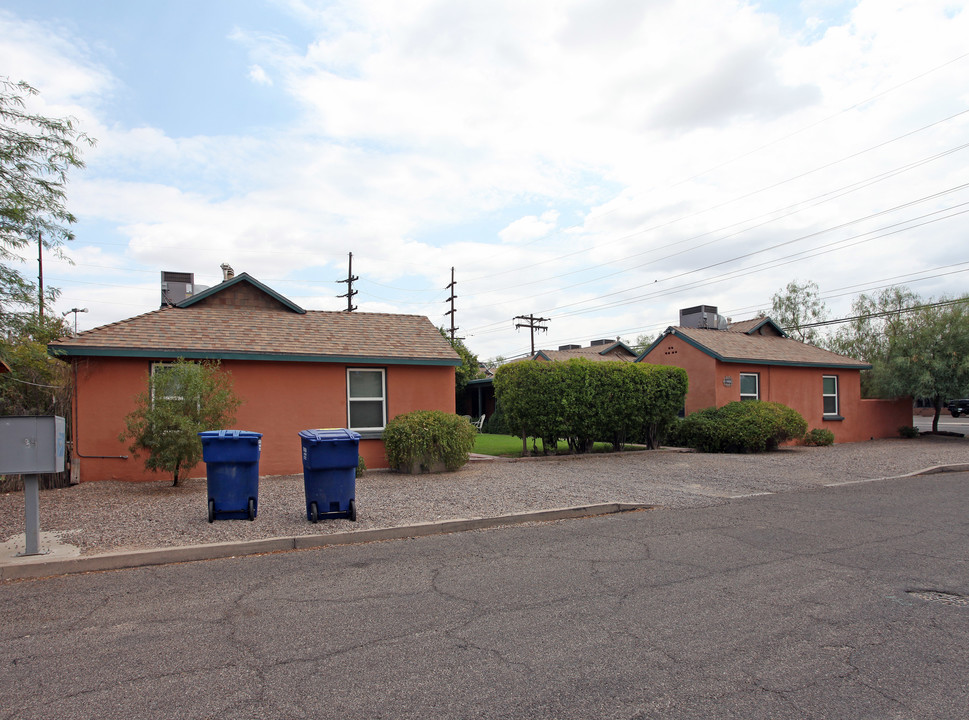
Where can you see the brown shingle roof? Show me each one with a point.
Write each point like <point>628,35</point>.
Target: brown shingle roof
<point>209,330</point>
<point>763,349</point>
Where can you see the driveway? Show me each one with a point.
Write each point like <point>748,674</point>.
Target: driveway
<point>104,517</point>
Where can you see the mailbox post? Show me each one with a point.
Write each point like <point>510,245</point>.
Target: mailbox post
<point>29,446</point>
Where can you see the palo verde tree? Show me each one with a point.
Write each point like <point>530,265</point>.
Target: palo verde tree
<point>36,154</point>
<point>181,400</point>
<point>877,322</point>
<point>797,305</point>
<point>929,356</point>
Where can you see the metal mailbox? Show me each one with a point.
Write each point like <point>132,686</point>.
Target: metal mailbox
<point>31,444</point>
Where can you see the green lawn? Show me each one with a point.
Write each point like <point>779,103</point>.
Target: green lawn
<point>511,446</point>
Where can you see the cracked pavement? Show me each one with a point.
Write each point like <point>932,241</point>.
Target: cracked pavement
<point>792,605</point>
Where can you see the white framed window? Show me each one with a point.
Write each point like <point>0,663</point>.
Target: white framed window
<point>749,386</point>
<point>829,394</point>
<point>157,368</point>
<point>366,398</point>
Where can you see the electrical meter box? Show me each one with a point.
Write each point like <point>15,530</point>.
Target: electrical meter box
<point>31,445</point>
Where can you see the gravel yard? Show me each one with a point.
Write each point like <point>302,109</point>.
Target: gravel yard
<point>101,517</point>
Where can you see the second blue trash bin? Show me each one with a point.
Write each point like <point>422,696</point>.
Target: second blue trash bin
<point>232,472</point>
<point>330,460</point>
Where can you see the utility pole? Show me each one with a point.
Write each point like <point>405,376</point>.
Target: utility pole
<point>451,311</point>
<point>350,291</point>
<point>533,325</point>
<point>40,265</point>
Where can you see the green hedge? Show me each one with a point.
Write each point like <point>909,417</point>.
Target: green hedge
<point>748,426</point>
<point>427,437</point>
<point>819,437</point>
<point>583,401</point>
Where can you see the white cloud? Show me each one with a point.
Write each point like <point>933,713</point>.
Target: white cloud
<point>669,136</point>
<point>530,227</point>
<point>259,76</point>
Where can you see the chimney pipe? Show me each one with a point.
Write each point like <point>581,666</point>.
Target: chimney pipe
<point>227,272</point>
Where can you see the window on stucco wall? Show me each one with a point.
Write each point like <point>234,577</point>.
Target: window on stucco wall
<point>749,386</point>
<point>366,399</point>
<point>829,394</point>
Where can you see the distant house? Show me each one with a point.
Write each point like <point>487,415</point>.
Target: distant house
<point>755,360</point>
<point>598,351</point>
<point>293,369</point>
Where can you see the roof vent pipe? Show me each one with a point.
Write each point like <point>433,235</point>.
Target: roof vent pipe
<point>227,272</point>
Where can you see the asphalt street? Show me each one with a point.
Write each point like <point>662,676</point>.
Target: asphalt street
<point>847,601</point>
<point>946,423</point>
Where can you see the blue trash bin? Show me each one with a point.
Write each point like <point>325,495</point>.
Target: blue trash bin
<point>330,460</point>
<point>232,471</point>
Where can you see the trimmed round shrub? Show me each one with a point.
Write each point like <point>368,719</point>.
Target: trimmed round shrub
<point>819,437</point>
<point>738,427</point>
<point>428,437</point>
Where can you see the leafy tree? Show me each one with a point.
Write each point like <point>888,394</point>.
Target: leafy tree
<point>928,356</point>
<point>181,400</point>
<point>37,384</point>
<point>642,343</point>
<point>797,305</point>
<point>469,368</point>
<point>36,154</point>
<point>878,321</point>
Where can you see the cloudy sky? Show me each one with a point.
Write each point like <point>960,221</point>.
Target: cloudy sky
<point>598,163</point>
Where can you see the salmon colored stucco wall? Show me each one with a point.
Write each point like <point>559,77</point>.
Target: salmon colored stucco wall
<point>713,383</point>
<point>278,400</point>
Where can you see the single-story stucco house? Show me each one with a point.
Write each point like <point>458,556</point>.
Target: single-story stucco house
<point>756,360</point>
<point>293,369</point>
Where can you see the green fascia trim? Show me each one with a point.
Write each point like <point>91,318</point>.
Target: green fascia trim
<point>242,277</point>
<point>616,344</point>
<point>481,381</point>
<point>542,353</point>
<point>766,321</point>
<point>62,353</point>
<point>750,361</point>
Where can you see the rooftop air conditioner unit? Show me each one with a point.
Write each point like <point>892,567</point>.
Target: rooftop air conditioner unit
<point>176,286</point>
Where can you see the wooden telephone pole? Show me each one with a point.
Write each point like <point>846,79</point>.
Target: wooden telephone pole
<point>350,291</point>
<point>451,300</point>
<point>533,324</point>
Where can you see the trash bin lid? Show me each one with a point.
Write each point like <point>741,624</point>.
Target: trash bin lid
<point>329,434</point>
<point>231,434</point>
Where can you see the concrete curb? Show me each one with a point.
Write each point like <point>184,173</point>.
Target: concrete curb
<point>931,470</point>
<point>34,568</point>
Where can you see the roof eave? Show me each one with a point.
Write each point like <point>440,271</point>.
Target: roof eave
<point>63,353</point>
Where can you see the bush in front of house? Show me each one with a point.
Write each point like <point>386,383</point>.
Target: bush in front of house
<point>425,438</point>
<point>819,437</point>
<point>583,401</point>
<point>738,427</point>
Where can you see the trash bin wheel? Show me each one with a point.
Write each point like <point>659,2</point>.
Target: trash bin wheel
<point>211,509</point>
<point>353,511</point>
<point>314,513</point>
<point>252,509</point>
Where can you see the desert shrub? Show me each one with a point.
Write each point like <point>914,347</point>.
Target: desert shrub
<point>750,426</point>
<point>907,431</point>
<point>819,437</point>
<point>427,437</point>
<point>361,466</point>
